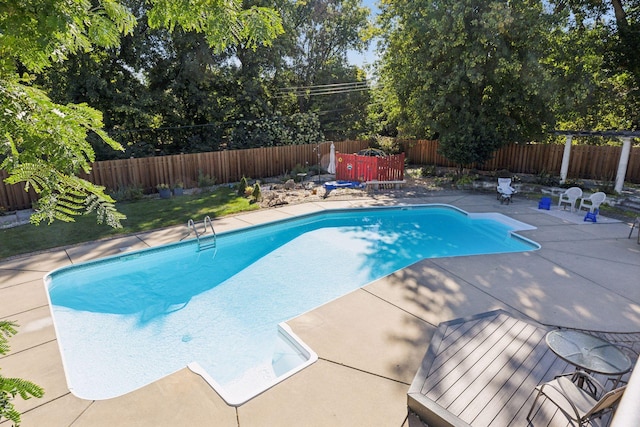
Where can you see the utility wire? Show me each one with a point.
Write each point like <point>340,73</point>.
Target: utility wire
<point>317,90</point>
<point>358,83</point>
<point>318,93</point>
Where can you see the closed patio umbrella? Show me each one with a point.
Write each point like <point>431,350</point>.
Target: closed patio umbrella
<point>332,160</point>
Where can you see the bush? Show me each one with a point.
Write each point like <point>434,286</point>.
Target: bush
<point>241,188</point>
<point>315,170</point>
<point>387,144</point>
<point>571,182</point>
<point>205,180</point>
<point>257,192</point>
<point>298,168</point>
<point>429,170</point>
<point>128,193</point>
<point>545,178</point>
<point>465,179</point>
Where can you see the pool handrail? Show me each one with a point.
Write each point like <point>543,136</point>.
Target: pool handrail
<point>191,225</point>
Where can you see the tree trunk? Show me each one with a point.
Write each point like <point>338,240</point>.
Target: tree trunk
<point>621,16</point>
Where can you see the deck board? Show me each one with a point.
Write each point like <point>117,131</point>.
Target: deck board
<point>458,356</point>
<point>495,382</point>
<point>482,371</point>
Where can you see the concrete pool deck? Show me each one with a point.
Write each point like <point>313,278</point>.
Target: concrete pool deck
<point>370,342</point>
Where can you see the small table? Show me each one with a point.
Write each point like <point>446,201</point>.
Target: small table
<point>588,353</point>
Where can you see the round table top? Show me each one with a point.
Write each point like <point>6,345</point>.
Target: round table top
<point>588,352</point>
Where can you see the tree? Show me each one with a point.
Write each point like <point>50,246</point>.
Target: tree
<point>314,75</point>
<point>195,93</point>
<point>44,144</point>
<point>12,387</point>
<point>600,44</point>
<point>586,95</point>
<point>113,81</point>
<point>468,72</point>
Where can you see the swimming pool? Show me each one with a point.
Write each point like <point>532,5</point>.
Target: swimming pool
<point>126,321</point>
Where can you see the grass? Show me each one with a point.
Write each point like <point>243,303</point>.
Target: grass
<point>142,215</point>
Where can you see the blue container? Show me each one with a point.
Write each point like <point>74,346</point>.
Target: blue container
<point>591,216</point>
<point>545,203</point>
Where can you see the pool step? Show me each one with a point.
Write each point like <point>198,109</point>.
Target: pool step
<point>207,242</point>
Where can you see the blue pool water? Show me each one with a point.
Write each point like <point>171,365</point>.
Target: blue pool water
<point>126,321</point>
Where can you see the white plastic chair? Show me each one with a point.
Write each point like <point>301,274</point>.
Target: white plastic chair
<point>504,188</point>
<point>569,197</point>
<point>592,202</point>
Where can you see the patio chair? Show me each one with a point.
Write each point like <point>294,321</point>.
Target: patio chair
<point>635,221</point>
<point>569,197</point>
<point>575,403</point>
<point>504,188</point>
<point>593,202</point>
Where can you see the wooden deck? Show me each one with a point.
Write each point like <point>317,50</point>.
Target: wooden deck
<point>482,371</point>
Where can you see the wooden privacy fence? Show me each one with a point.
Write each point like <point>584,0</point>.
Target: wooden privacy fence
<point>352,167</point>
<point>587,162</point>
<point>223,166</point>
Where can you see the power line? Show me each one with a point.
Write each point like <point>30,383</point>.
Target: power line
<point>358,83</point>
<point>327,89</point>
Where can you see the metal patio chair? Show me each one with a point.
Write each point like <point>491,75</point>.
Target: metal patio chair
<point>579,404</point>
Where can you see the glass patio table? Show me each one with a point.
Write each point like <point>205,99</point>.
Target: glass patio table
<point>588,353</point>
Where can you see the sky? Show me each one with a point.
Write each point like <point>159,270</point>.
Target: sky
<point>368,57</point>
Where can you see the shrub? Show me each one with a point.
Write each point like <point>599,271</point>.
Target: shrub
<point>205,180</point>
<point>465,179</point>
<point>545,178</point>
<point>128,193</point>
<point>257,192</point>
<point>242,186</point>
<point>387,144</point>
<point>572,182</point>
<point>315,169</point>
<point>299,169</point>
<point>429,170</point>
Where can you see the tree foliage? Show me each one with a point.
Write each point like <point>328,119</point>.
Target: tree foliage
<point>325,31</point>
<point>12,387</point>
<point>296,129</point>
<point>467,71</point>
<point>44,144</point>
<point>165,92</point>
<point>597,49</point>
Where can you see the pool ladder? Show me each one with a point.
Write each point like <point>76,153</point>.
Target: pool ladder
<point>204,242</point>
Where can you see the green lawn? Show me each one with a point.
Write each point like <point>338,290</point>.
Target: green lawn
<point>143,215</point>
